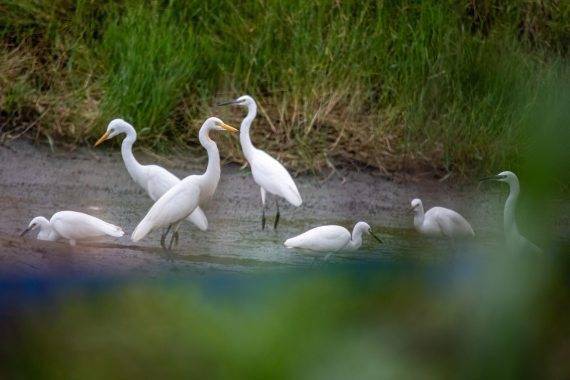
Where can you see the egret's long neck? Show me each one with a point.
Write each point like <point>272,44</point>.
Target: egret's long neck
<point>419,217</point>
<point>510,224</point>
<point>45,230</point>
<point>244,138</point>
<point>356,240</point>
<point>211,177</point>
<point>131,163</point>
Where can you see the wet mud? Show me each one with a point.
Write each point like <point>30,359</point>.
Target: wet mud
<point>37,181</point>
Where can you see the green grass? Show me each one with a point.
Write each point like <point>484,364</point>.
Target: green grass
<point>397,86</point>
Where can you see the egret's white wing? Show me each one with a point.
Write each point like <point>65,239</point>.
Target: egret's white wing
<point>323,238</point>
<point>451,223</point>
<point>77,225</point>
<point>177,204</point>
<point>159,181</point>
<point>273,177</point>
<point>198,218</point>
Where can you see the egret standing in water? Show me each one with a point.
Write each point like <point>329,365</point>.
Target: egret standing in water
<point>515,241</point>
<point>331,238</point>
<point>267,172</point>
<point>155,179</point>
<point>71,225</point>
<point>183,198</point>
<point>440,221</point>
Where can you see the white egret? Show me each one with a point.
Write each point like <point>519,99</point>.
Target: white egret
<point>155,179</point>
<point>73,226</point>
<point>515,241</point>
<point>267,172</point>
<point>331,238</point>
<point>183,198</point>
<point>440,221</point>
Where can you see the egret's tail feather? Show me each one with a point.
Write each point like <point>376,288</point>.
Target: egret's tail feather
<point>111,229</point>
<point>290,243</point>
<point>198,218</point>
<point>141,231</point>
<point>293,196</point>
<point>116,232</point>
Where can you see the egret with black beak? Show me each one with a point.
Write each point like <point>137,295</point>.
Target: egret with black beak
<point>73,226</point>
<point>331,238</point>
<point>515,241</point>
<point>268,173</point>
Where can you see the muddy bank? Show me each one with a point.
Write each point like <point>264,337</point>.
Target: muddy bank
<point>36,181</point>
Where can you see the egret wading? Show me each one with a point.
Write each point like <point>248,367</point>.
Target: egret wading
<point>73,226</point>
<point>268,173</point>
<point>515,241</point>
<point>440,222</point>
<point>183,198</point>
<point>331,238</point>
<point>155,179</point>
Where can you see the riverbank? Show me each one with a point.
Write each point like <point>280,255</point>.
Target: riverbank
<point>37,181</point>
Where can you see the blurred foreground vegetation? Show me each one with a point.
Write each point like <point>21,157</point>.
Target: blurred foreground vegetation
<point>494,319</point>
<point>396,85</point>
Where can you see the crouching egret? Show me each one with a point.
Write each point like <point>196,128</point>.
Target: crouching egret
<point>155,179</point>
<point>331,238</point>
<point>73,226</point>
<point>440,221</point>
<point>183,198</point>
<point>267,172</point>
<point>515,241</point>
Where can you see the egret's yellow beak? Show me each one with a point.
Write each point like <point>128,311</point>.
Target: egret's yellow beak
<point>103,138</point>
<point>228,128</point>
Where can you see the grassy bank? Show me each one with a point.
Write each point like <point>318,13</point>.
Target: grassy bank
<point>442,85</point>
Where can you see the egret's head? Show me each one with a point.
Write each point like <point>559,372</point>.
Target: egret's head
<point>114,128</point>
<point>416,206</point>
<point>244,101</point>
<point>365,228</point>
<point>506,176</point>
<point>219,125</point>
<point>37,222</point>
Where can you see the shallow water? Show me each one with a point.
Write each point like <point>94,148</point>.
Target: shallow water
<point>35,181</point>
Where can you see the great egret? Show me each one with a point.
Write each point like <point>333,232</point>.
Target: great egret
<point>73,226</point>
<point>515,241</point>
<point>267,172</point>
<point>440,221</point>
<point>183,198</point>
<point>155,179</point>
<point>331,238</point>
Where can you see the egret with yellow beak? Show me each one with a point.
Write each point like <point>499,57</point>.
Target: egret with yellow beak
<point>183,198</point>
<point>155,179</point>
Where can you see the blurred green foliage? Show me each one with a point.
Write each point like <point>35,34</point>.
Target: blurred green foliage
<point>502,319</point>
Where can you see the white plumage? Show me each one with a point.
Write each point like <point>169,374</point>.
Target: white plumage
<point>440,222</point>
<point>331,238</point>
<point>155,179</point>
<point>516,242</point>
<point>183,198</point>
<point>174,206</point>
<point>272,177</point>
<point>268,173</point>
<point>73,226</point>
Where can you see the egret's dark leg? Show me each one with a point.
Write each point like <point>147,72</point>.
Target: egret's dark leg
<point>276,215</point>
<point>263,218</point>
<point>163,238</point>
<point>263,194</point>
<point>176,239</point>
<point>174,235</point>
